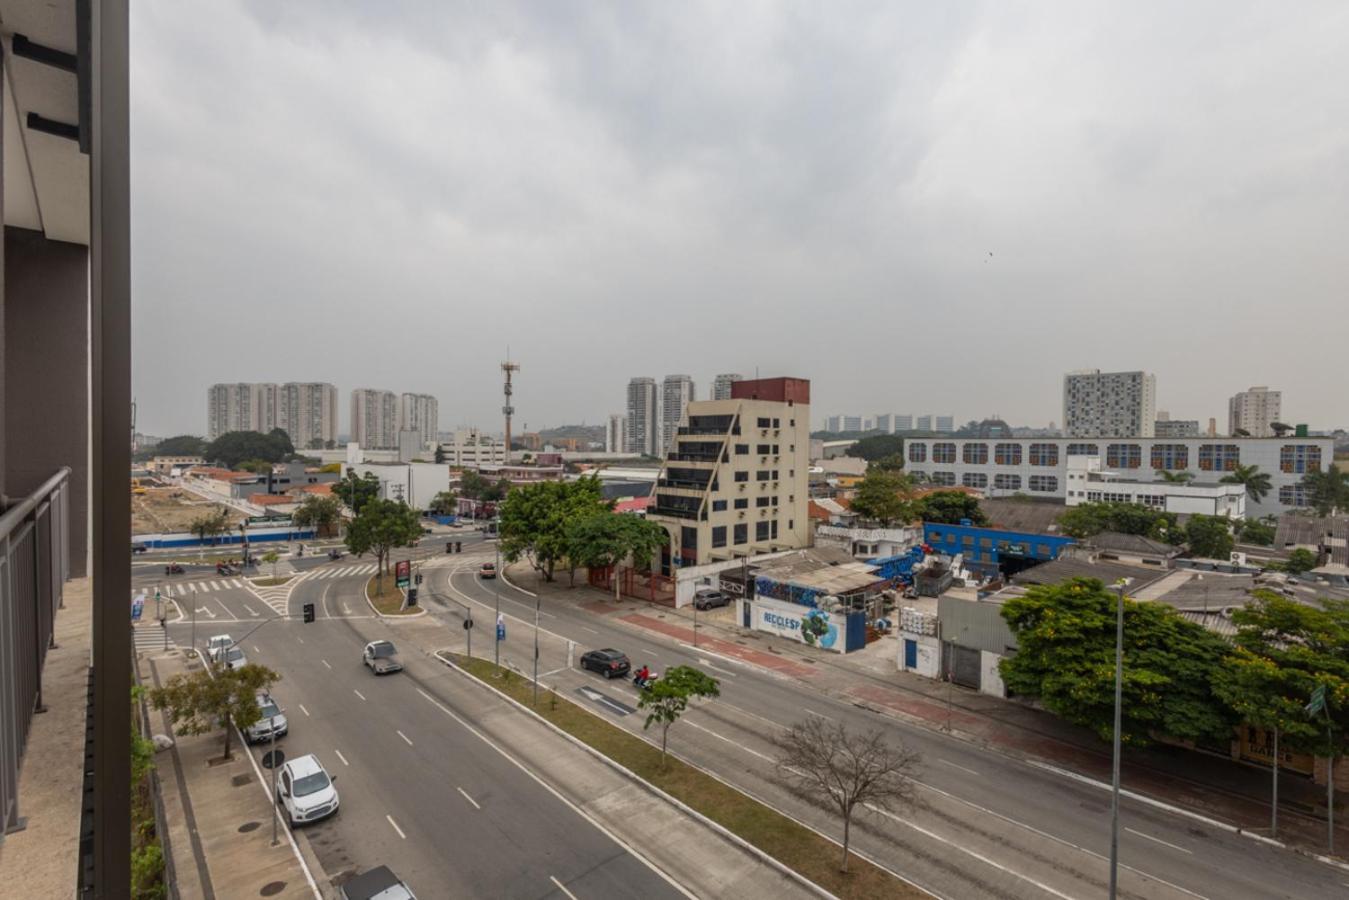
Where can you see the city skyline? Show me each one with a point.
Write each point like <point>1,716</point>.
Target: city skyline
<point>1018,210</point>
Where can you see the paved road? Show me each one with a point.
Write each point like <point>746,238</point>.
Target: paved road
<point>990,826</point>
<point>420,791</point>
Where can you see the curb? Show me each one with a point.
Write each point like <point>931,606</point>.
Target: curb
<point>502,576</point>
<point>720,829</point>
<point>365,592</point>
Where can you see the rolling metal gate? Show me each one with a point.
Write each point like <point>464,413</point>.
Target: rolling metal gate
<point>961,664</point>
<point>34,565</point>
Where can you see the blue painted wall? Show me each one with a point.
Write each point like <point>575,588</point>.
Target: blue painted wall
<point>951,539</point>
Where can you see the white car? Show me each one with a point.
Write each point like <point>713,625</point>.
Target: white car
<point>232,658</point>
<point>216,644</point>
<point>305,790</point>
<point>271,721</point>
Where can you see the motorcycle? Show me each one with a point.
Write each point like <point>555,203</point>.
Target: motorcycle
<point>174,569</point>
<point>334,554</point>
<point>644,683</point>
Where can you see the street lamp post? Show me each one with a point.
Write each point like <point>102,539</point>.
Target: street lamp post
<point>536,649</point>
<point>271,720</point>
<point>1114,767</point>
<point>496,588</point>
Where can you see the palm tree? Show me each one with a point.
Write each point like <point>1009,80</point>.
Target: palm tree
<point>1257,482</point>
<point>1328,490</point>
<point>1175,477</point>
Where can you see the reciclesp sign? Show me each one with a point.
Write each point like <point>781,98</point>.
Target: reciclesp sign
<point>803,624</point>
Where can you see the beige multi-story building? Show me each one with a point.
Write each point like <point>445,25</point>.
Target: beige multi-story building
<point>721,385</point>
<point>242,406</point>
<point>471,448</point>
<point>307,412</point>
<point>419,413</point>
<point>734,481</point>
<point>1252,411</point>
<point>616,434</point>
<point>676,393</point>
<point>374,418</point>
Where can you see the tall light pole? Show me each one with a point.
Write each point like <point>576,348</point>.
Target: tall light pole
<point>1114,766</point>
<point>536,649</point>
<point>496,589</point>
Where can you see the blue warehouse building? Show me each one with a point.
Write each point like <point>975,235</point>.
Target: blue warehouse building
<point>993,551</point>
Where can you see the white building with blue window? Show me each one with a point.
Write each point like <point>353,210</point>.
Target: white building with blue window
<point>1038,467</point>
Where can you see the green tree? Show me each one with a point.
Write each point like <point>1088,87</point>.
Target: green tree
<point>894,464</point>
<point>234,447</point>
<point>318,511</point>
<point>380,526</point>
<point>877,446</point>
<point>950,507</point>
<point>1088,519</point>
<point>1065,636</point>
<point>272,557</point>
<point>1327,490</point>
<point>200,702</point>
<point>1256,531</point>
<point>357,490</point>
<point>607,539</point>
<point>535,519</point>
<point>210,525</point>
<point>475,487</point>
<point>1209,536</point>
<point>883,497</point>
<point>179,445</point>
<point>1299,561</point>
<point>256,466</point>
<point>1257,482</point>
<point>1283,651</point>
<point>444,503</point>
<point>666,699</point>
<point>1175,477</point>
<point>440,455</point>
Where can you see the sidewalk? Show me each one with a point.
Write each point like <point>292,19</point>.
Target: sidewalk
<point>1203,783</point>
<point>219,818</point>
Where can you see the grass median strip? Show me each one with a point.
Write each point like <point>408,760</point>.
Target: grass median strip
<point>787,841</point>
<point>387,597</point>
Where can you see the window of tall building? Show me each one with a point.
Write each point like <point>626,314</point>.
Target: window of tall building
<point>1171,457</point>
<point>943,453</point>
<point>1007,482</point>
<point>718,506</point>
<point>974,480</point>
<point>742,476</point>
<point>1007,454</point>
<point>1044,454</point>
<point>945,479</point>
<point>1123,456</point>
<point>741,534</point>
<point>742,503</point>
<point>1219,457</point>
<point>764,449</point>
<point>719,536</point>
<point>975,454</point>
<point>763,501</point>
<point>762,475</point>
<point>1299,458</point>
<point>742,449</point>
<point>761,531</point>
<point>1084,450</point>
<point>918,453</point>
<point>1044,483</point>
<point>1294,495</point>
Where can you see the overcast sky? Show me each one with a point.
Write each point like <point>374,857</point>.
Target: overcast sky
<point>926,207</point>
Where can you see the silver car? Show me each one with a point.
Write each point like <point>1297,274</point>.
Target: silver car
<point>271,723</point>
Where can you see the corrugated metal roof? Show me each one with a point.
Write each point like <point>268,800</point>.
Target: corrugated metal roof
<point>1106,572</point>
<point>1331,532</point>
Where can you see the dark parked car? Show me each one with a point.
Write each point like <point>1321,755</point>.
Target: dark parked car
<point>710,599</point>
<point>610,663</point>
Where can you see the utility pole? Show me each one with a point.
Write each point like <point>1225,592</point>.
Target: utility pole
<point>508,368</point>
<point>496,588</point>
<point>1114,767</point>
<point>536,649</point>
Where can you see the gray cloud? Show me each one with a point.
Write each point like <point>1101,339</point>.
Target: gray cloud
<point>389,194</point>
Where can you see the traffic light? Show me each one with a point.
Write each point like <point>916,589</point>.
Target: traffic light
<point>412,596</point>
<point>419,578</point>
<point>308,613</point>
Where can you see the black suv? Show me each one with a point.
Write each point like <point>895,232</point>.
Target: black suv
<point>609,663</point>
<point>710,599</point>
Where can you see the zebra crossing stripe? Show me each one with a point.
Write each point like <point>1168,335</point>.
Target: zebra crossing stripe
<point>237,584</point>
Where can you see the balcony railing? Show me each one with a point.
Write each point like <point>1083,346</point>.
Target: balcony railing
<point>694,457</point>
<point>34,566</point>
<point>681,483</point>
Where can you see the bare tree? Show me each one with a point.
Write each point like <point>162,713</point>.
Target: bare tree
<point>847,768</point>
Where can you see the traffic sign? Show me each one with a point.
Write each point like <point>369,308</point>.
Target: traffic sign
<point>402,572</point>
<point>501,628</point>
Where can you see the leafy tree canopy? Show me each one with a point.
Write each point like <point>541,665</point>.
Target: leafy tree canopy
<point>1299,561</point>
<point>202,701</point>
<point>877,446</point>
<point>883,497</point>
<point>534,520</point>
<point>666,699</point>
<point>476,487</point>
<point>1125,518</point>
<point>179,445</point>
<point>318,511</point>
<point>608,538</point>
<point>1066,657</point>
<point>1209,536</point>
<point>1328,490</point>
<point>234,447</point>
<point>950,507</point>
<point>445,503</point>
<point>893,463</point>
<point>357,490</point>
<point>1256,531</point>
<point>380,526</point>
<point>1257,482</point>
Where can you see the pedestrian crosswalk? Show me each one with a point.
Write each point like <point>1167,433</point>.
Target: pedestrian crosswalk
<point>344,571</point>
<point>149,638</point>
<point>203,587</point>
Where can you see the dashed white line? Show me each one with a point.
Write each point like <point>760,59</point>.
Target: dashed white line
<point>325,662</point>
<point>303,710</point>
<point>358,693</point>
<point>256,650</point>
<point>341,757</point>
<point>584,628</point>
<point>1158,840</point>
<point>396,828</point>
<point>819,714</point>
<point>250,610</point>
<point>468,798</point>
<point>947,762</point>
<point>561,887</point>
<point>300,639</point>
<point>405,738</point>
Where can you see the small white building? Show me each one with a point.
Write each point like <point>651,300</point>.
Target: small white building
<point>1090,482</point>
<point>867,543</point>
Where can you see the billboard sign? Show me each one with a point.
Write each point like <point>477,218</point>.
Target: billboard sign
<point>804,624</point>
<point>402,573</point>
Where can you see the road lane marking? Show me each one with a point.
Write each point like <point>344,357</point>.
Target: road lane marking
<point>468,798</point>
<point>954,766</point>
<point>561,887</point>
<point>250,610</point>
<point>300,639</point>
<point>729,741</point>
<point>256,650</point>
<point>237,583</point>
<point>325,662</point>
<point>819,714</point>
<point>586,628</point>
<point>1158,840</point>
<point>341,757</point>
<point>396,828</point>
<point>401,735</point>
<point>358,693</point>
<point>303,710</point>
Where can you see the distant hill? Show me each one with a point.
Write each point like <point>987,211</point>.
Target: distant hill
<point>580,432</point>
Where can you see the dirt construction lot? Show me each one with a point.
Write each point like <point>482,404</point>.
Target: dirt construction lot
<point>172,509</point>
